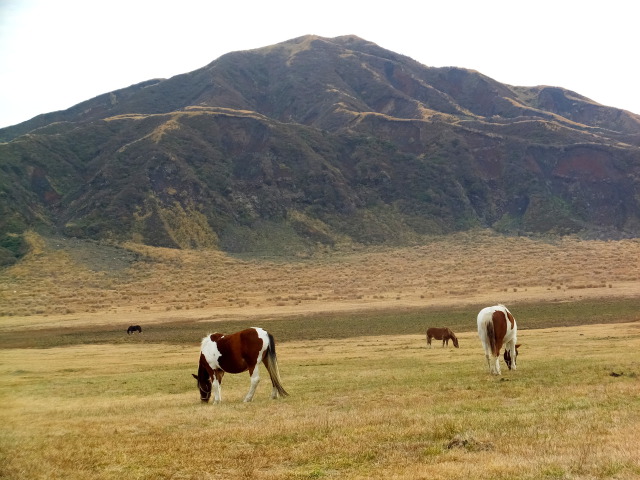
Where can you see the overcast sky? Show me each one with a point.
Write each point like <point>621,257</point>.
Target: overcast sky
<point>57,53</point>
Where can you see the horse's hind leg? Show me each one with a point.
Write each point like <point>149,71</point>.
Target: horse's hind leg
<point>488,357</point>
<point>495,368</point>
<point>274,393</point>
<point>255,379</point>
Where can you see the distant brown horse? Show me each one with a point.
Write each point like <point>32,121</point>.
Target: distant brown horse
<point>445,334</point>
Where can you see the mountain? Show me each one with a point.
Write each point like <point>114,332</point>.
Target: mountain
<point>321,141</point>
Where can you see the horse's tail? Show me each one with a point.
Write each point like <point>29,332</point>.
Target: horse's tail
<point>492,338</point>
<point>271,362</point>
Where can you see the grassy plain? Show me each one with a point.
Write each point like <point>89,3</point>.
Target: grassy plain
<point>360,407</point>
<point>81,399</point>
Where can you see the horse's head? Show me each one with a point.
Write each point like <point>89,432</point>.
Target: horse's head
<point>455,341</point>
<point>204,384</point>
<point>507,356</point>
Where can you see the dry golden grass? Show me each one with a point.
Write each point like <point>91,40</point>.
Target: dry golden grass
<point>374,407</point>
<point>464,268</point>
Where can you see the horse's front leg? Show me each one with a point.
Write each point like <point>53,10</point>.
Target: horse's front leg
<point>216,391</point>
<point>512,352</point>
<point>217,386</point>
<point>255,379</point>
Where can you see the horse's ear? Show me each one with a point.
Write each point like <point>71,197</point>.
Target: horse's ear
<point>518,345</point>
<point>194,376</point>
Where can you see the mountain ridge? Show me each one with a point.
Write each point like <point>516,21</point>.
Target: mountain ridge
<point>318,140</point>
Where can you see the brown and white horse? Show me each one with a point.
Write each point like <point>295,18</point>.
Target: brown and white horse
<point>237,353</point>
<point>497,328</point>
<point>444,333</point>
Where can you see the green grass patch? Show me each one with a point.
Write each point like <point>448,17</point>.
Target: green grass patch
<point>334,325</point>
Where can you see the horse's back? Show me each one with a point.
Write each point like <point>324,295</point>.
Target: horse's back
<point>436,332</point>
<point>484,316</point>
<point>236,352</point>
<point>501,318</point>
<point>488,314</point>
<point>498,322</point>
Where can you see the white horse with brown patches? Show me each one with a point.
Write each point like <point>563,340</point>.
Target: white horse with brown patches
<point>497,328</point>
<point>237,353</point>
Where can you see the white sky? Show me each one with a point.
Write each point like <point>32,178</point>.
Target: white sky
<point>57,53</point>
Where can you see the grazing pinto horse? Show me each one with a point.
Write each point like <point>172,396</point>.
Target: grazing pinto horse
<point>445,334</point>
<point>134,328</point>
<point>237,353</point>
<point>497,327</point>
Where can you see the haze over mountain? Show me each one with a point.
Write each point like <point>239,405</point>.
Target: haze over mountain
<point>321,141</point>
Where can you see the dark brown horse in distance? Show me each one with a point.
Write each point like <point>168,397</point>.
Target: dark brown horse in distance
<point>444,333</point>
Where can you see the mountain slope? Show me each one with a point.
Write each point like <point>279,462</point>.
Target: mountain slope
<point>319,140</point>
